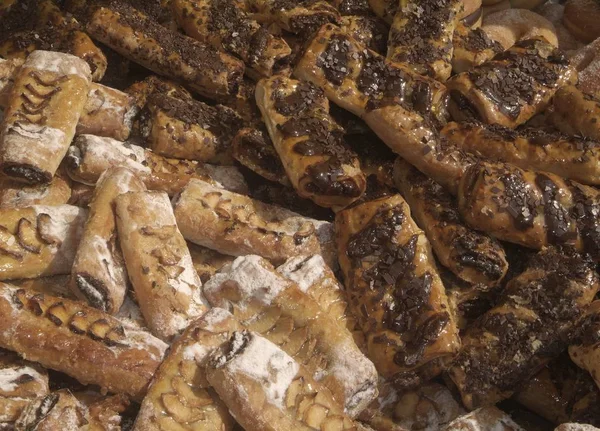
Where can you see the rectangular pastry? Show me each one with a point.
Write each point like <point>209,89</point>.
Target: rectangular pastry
<point>54,411</point>
<point>486,418</point>
<point>275,307</point>
<point>309,142</point>
<point>134,35</point>
<point>158,262</point>
<point>98,275</point>
<point>298,17</point>
<point>80,341</point>
<point>90,156</point>
<point>585,351</point>
<point>266,389</point>
<point>395,291</point>
<point>180,397</point>
<point>45,103</point>
<point>531,323</point>
<point>15,194</point>
<point>39,240</point>
<point>238,225</point>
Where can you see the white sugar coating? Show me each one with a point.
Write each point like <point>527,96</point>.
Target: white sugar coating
<point>267,364</point>
<point>100,249</point>
<point>9,378</point>
<point>20,141</point>
<point>254,278</point>
<point>444,408</point>
<point>121,177</point>
<point>214,317</point>
<point>484,419</point>
<point>65,220</point>
<point>226,177</point>
<point>58,62</point>
<point>129,115</point>
<point>131,316</point>
<point>196,352</point>
<point>143,340</point>
<point>306,272</point>
<point>576,427</point>
<point>157,210</point>
<point>110,152</point>
<point>387,394</point>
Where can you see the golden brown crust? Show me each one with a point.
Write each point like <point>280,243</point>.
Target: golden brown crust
<point>370,31</point>
<point>7,73</point>
<point>80,341</point>
<point>14,194</point>
<point>576,113</point>
<point>585,352</point>
<point>39,240</point>
<point>153,84</point>
<point>517,24</point>
<point>158,262</point>
<point>207,262</point>
<point>532,322</point>
<point>98,275</point>
<point>166,52</point>
<point>298,17</point>
<point>486,418</point>
<point>582,18</point>
<point>41,116</point>
<point>383,254</point>
<point>472,47</point>
<point>309,142</point>
<point>57,410</point>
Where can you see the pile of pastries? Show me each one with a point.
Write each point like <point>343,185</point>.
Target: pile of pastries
<point>299,215</point>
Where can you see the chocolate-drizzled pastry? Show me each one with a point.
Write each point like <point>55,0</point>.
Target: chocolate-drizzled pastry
<point>421,36</point>
<point>253,148</point>
<point>166,52</point>
<point>354,7</point>
<point>585,351</point>
<point>385,9</point>
<point>189,129</point>
<point>299,17</point>
<point>532,322</point>
<point>472,47</point>
<point>225,26</point>
<point>576,113</point>
<point>534,209</point>
<point>309,142</point>
<point>44,107</point>
<point>80,341</point>
<point>155,85</point>
<point>40,25</point>
<point>90,156</point>
<point>513,87</point>
<point>368,30</point>
<point>395,291</point>
<point>530,148</point>
<point>39,240</point>
<point>473,256</point>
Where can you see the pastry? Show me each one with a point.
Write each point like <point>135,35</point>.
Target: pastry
<point>298,17</point>
<point>576,113</point>
<point>514,25</point>
<point>581,18</point>
<point>207,262</point>
<point>586,349</point>
<point>367,30</point>
<point>57,410</point>
<point>14,194</point>
<point>472,47</point>
<point>486,418</point>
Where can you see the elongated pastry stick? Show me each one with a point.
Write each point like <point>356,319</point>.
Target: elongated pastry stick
<point>486,418</point>
<point>309,142</point>
<point>14,194</point>
<point>166,52</point>
<point>536,70</point>
<point>585,352</point>
<point>180,397</point>
<point>85,343</point>
<point>270,304</point>
<point>224,25</point>
<point>45,104</point>
<point>531,324</point>
<point>98,276</point>
<point>472,47</point>
<point>57,410</point>
<point>576,113</point>
<point>39,240</point>
<point>237,225</point>
<point>189,129</point>
<point>207,262</point>
<point>142,90</point>
<point>530,148</point>
<point>20,382</point>
<point>421,36</point>
<point>299,17</point>
<point>90,156</point>
<point>395,291</point>
<point>54,285</point>
<point>534,209</point>
<point>266,389</point>
<point>471,255</point>
<point>158,262</point>
<point>314,277</point>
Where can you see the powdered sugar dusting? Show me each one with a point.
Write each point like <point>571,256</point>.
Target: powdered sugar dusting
<point>576,427</point>
<point>9,377</point>
<point>484,419</point>
<point>58,62</point>
<point>21,139</point>
<point>305,272</point>
<point>214,317</point>
<point>196,352</point>
<point>112,152</point>
<point>64,221</point>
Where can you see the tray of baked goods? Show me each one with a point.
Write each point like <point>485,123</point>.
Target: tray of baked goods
<point>299,215</point>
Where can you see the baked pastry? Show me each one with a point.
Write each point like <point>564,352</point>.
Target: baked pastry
<point>158,262</point>
<point>586,349</point>
<point>576,113</point>
<point>554,13</point>
<point>206,261</point>
<point>266,389</point>
<point>53,285</point>
<point>39,240</point>
<point>471,14</point>
<point>299,17</point>
<point>540,149</point>
<point>575,427</point>
<point>224,25</point>
<point>514,25</point>
<point>42,113</point>
<point>180,397</point>
<point>472,47</point>
<point>81,194</point>
<point>267,303</point>
<point>56,410</point>
<point>581,19</point>
<point>237,225</point>
<point>384,9</point>
<point>131,33</point>
<point>394,290</point>
<point>421,36</point>
<point>587,62</point>
<point>189,129</point>
<point>90,156</point>
<point>98,275</point>
<point>485,418</point>
<point>152,85</point>
<point>530,324</point>
<point>7,73</point>
<point>530,208</point>
<point>14,194</point>
<point>309,142</point>
<point>472,256</point>
<point>85,343</point>
<point>536,70</point>
<point>370,31</point>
